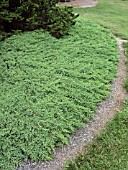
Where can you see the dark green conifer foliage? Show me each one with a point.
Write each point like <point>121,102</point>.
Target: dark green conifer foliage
<point>34,14</point>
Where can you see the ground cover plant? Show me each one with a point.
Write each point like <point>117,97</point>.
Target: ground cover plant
<point>49,87</point>
<point>109,150</point>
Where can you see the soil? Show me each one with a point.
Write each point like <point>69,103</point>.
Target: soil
<point>105,111</point>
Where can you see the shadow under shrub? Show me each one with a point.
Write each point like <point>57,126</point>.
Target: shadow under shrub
<point>34,14</point>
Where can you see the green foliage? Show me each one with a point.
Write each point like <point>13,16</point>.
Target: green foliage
<point>126,53</point>
<point>126,85</point>
<point>109,150</point>
<point>60,20</point>
<point>33,14</point>
<point>50,87</point>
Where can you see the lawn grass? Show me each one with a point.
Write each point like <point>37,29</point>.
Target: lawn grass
<point>109,150</point>
<point>112,14</point>
<point>50,87</point>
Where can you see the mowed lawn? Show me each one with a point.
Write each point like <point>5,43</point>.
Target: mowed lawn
<point>112,14</point>
<point>50,87</point>
<point>109,150</point>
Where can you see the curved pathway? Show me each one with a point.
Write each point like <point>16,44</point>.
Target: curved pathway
<point>105,111</point>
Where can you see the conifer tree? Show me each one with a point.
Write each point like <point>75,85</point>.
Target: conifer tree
<point>34,14</point>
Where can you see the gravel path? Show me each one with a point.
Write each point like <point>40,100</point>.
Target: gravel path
<point>80,3</point>
<point>83,136</point>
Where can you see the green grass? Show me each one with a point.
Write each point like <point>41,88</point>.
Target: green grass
<point>112,14</point>
<point>49,87</point>
<point>109,150</point>
<point>126,53</point>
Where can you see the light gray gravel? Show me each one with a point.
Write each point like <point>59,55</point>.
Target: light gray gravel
<point>84,135</point>
<point>80,3</point>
